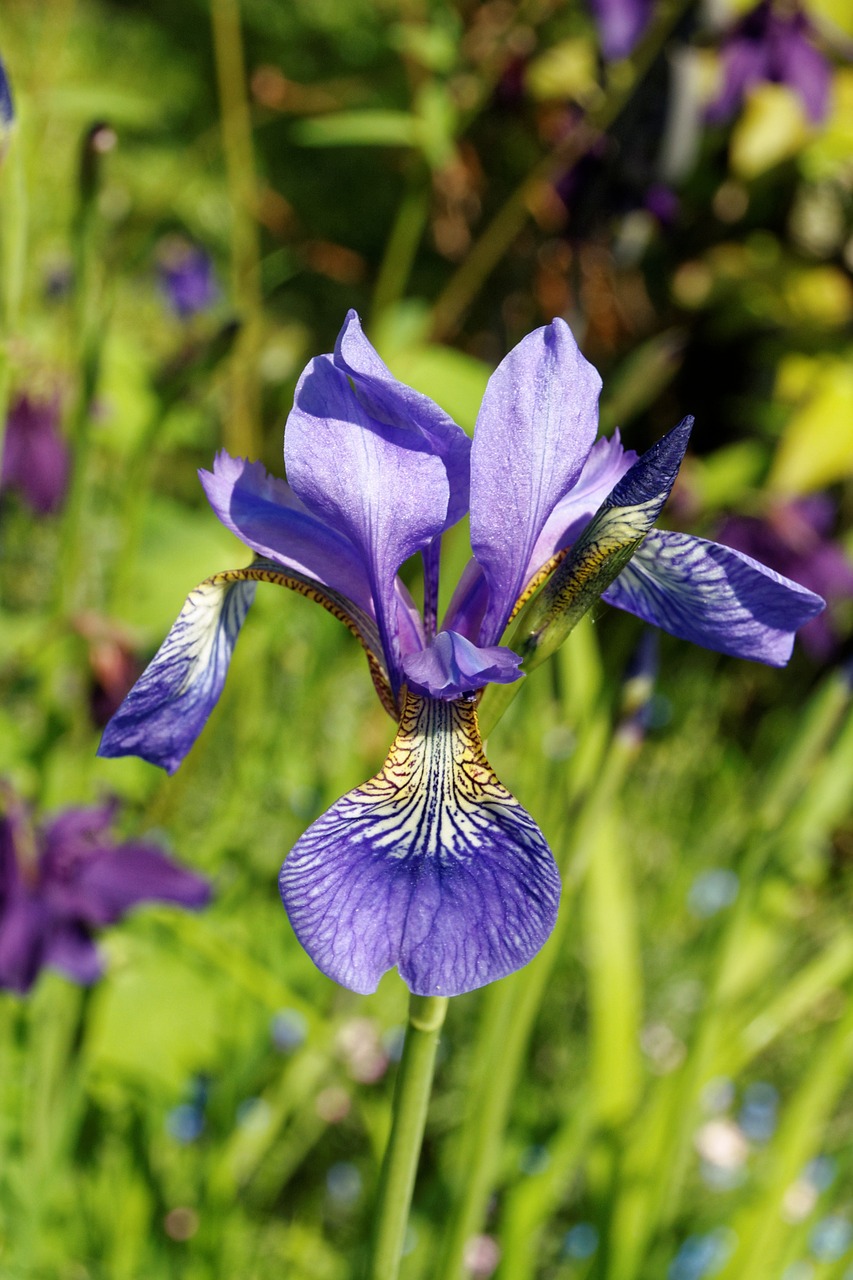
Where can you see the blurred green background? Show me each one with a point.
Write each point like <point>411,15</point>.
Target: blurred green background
<point>665,1093</point>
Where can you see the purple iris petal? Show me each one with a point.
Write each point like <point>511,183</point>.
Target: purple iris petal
<point>431,866</point>
<point>803,67</point>
<point>648,481</point>
<point>535,429</point>
<point>392,402</point>
<point>452,666</point>
<point>266,514</point>
<point>70,949</point>
<point>607,463</point>
<point>168,706</point>
<point>620,24</point>
<point>378,484</point>
<point>24,932</point>
<point>58,882</point>
<point>36,461</point>
<point>604,546</point>
<point>713,596</point>
<point>117,879</point>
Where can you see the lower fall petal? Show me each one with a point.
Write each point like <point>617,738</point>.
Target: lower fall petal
<point>432,866</point>
<point>168,706</point>
<point>714,596</point>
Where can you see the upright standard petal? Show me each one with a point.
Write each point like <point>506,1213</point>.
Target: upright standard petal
<point>431,866</point>
<point>603,549</point>
<point>267,516</point>
<point>607,463</point>
<point>392,402</point>
<point>535,429</point>
<point>168,706</point>
<point>714,596</point>
<point>378,484</point>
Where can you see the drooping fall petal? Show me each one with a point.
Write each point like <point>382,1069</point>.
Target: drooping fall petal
<point>431,866</point>
<point>714,596</point>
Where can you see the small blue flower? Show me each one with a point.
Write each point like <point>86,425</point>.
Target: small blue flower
<point>187,277</point>
<point>831,1238</point>
<point>580,1241</point>
<point>432,866</point>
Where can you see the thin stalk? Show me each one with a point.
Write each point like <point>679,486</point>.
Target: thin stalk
<point>89,318</point>
<point>509,221</point>
<point>243,426</point>
<point>402,246</point>
<point>508,1023</point>
<point>411,1099</point>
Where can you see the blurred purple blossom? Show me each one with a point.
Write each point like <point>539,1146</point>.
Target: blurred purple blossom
<point>7,110</point>
<point>36,459</point>
<point>60,881</point>
<point>794,539</point>
<point>620,24</point>
<point>187,277</point>
<point>775,45</point>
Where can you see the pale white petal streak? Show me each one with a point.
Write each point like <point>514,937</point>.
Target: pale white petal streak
<point>714,596</point>
<point>166,709</point>
<point>432,866</point>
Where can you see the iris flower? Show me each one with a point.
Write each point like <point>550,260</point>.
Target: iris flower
<point>187,277</point>
<point>36,459</point>
<point>61,881</point>
<point>775,44</point>
<point>432,865</point>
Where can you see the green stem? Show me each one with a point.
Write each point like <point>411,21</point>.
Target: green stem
<point>242,429</point>
<point>402,246</point>
<point>411,1098</point>
<point>508,1023</point>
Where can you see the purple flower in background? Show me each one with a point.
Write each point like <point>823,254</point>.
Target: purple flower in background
<point>187,277</point>
<point>794,538</point>
<point>775,45</point>
<point>36,460</point>
<point>7,111</point>
<point>61,881</point>
<point>620,24</point>
<point>432,865</point>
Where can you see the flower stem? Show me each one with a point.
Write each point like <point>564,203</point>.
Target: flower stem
<point>509,1017</point>
<point>411,1098</point>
